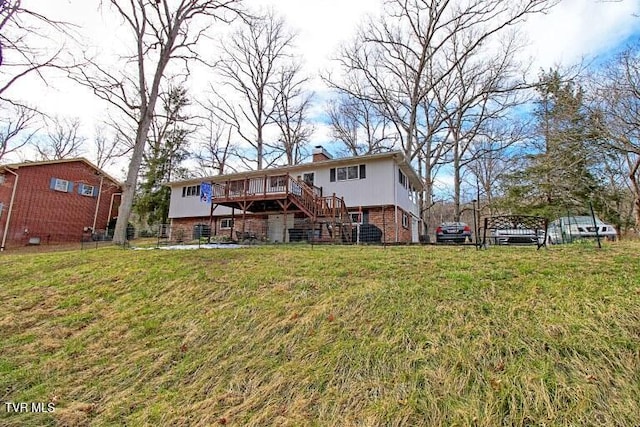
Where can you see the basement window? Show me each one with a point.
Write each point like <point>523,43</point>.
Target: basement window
<point>360,217</point>
<point>405,220</point>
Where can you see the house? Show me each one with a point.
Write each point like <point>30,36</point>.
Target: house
<point>54,201</point>
<point>370,198</point>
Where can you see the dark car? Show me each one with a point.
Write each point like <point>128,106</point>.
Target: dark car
<point>453,232</point>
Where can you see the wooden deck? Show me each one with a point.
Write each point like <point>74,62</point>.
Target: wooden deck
<point>283,194</point>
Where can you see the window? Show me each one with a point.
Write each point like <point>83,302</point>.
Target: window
<point>1,208</point>
<point>87,190</point>
<point>402,178</point>
<point>226,224</point>
<point>405,220</point>
<point>342,174</point>
<point>308,178</point>
<point>352,172</point>
<point>190,191</point>
<point>412,194</point>
<point>63,185</point>
<point>1,178</point>
<point>361,217</point>
<point>348,173</point>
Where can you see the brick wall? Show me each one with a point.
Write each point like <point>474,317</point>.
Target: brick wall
<point>385,218</point>
<point>390,223</point>
<point>256,224</point>
<point>54,216</point>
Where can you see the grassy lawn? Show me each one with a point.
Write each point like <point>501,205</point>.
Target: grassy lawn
<point>324,336</point>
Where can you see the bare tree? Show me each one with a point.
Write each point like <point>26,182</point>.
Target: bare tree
<point>253,63</point>
<point>401,57</point>
<point>16,129</point>
<point>617,107</point>
<point>215,149</point>
<point>359,125</point>
<point>21,29</point>
<point>107,148</point>
<point>483,90</point>
<point>491,161</point>
<point>290,115</point>
<point>63,140</point>
<point>163,33</point>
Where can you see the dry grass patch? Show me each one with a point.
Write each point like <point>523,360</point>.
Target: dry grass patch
<point>324,336</point>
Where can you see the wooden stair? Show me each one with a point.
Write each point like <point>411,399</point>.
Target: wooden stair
<point>329,212</point>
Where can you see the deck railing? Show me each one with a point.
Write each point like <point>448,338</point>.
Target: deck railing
<point>268,185</point>
<point>239,188</point>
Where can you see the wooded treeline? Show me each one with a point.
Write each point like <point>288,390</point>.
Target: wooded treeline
<point>442,81</point>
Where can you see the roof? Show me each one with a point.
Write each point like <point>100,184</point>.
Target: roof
<point>15,166</point>
<point>398,156</point>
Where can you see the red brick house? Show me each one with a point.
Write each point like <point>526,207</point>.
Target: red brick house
<point>54,201</point>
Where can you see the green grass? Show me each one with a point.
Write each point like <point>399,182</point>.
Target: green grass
<point>323,336</point>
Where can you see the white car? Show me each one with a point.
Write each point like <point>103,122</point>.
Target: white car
<point>568,229</point>
<point>516,236</point>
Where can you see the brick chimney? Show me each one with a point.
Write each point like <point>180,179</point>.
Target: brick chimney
<point>320,154</point>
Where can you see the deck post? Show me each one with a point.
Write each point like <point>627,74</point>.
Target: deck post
<point>233,222</point>
<point>244,217</point>
<point>213,208</point>
<point>284,220</point>
<point>264,188</point>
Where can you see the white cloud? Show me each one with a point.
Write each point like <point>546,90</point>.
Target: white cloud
<point>580,29</point>
<point>574,29</point>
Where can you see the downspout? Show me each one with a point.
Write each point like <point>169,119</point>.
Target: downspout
<point>13,196</point>
<point>395,199</point>
<point>95,217</point>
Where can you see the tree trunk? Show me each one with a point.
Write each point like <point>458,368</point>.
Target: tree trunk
<point>456,179</point>
<point>633,177</point>
<point>130,185</point>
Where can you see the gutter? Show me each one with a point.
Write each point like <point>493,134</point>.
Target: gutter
<point>13,196</point>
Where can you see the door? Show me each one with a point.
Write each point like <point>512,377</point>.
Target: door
<point>276,228</point>
<point>415,230</point>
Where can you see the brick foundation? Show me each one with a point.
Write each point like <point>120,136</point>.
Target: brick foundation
<point>385,218</point>
<point>255,224</point>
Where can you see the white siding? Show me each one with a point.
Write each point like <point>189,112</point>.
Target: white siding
<point>402,195</point>
<point>191,206</point>
<point>380,187</point>
<point>376,189</point>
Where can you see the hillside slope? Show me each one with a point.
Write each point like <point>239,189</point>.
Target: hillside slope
<point>323,336</point>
